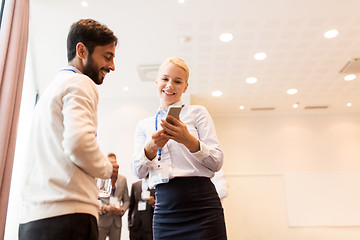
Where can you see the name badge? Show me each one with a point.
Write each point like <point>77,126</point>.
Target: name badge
<point>141,206</point>
<point>159,173</point>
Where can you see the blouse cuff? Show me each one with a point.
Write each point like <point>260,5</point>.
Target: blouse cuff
<point>145,161</point>
<point>203,153</point>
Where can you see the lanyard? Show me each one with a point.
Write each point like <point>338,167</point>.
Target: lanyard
<point>156,128</point>
<point>68,69</point>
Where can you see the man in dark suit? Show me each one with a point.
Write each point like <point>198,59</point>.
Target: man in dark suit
<point>141,210</point>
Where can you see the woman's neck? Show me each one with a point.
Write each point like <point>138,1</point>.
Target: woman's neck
<point>164,106</point>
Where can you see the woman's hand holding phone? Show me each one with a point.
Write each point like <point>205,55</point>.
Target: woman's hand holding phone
<point>179,133</point>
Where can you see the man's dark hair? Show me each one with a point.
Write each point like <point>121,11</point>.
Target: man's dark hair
<point>112,155</point>
<point>91,33</point>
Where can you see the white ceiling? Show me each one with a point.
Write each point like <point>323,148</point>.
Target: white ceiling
<point>149,31</point>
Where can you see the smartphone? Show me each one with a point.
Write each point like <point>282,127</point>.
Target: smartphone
<point>173,111</point>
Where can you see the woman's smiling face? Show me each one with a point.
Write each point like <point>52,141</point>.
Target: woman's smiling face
<point>171,83</point>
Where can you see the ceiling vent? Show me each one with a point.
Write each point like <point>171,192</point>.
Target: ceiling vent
<point>316,107</point>
<point>262,109</point>
<point>352,66</point>
<point>147,73</point>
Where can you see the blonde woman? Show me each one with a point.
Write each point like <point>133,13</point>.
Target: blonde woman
<point>180,159</point>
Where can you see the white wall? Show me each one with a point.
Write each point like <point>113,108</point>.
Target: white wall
<point>260,148</point>
<point>117,121</point>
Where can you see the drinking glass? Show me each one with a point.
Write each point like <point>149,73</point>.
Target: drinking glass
<point>104,187</point>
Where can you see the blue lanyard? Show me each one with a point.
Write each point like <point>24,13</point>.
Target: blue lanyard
<point>156,128</point>
<point>68,69</point>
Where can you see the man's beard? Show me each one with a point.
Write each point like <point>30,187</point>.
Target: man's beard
<point>92,71</point>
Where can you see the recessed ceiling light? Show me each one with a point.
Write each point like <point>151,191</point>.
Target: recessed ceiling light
<point>350,77</point>
<point>125,88</point>
<point>260,56</point>
<point>241,107</point>
<point>349,104</point>
<point>217,93</point>
<point>292,91</point>
<point>331,33</point>
<point>295,105</point>
<point>251,80</point>
<point>84,4</point>
<point>226,37</point>
<point>181,1</point>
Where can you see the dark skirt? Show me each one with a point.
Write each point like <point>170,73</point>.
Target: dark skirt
<point>188,208</point>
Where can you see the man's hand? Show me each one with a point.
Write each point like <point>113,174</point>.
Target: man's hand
<point>114,210</point>
<point>99,210</point>
<point>151,200</point>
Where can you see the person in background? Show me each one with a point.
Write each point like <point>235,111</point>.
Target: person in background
<point>114,206</point>
<point>141,210</point>
<point>180,159</point>
<point>59,193</point>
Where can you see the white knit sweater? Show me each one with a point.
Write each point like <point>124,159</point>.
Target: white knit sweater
<point>63,156</point>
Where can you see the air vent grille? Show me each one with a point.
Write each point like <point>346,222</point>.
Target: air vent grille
<point>147,73</point>
<point>263,109</point>
<point>316,107</point>
<point>352,66</point>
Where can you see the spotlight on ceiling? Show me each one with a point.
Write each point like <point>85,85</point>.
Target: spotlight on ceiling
<point>226,37</point>
<point>251,80</point>
<point>292,91</point>
<point>350,77</point>
<point>84,4</point>
<point>331,33</point>
<point>217,93</point>
<point>260,56</point>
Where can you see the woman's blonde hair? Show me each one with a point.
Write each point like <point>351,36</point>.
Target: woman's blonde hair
<point>178,62</point>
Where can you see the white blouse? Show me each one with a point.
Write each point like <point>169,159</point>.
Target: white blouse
<point>182,162</point>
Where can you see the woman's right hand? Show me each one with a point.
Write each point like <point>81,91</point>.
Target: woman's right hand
<point>158,141</point>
